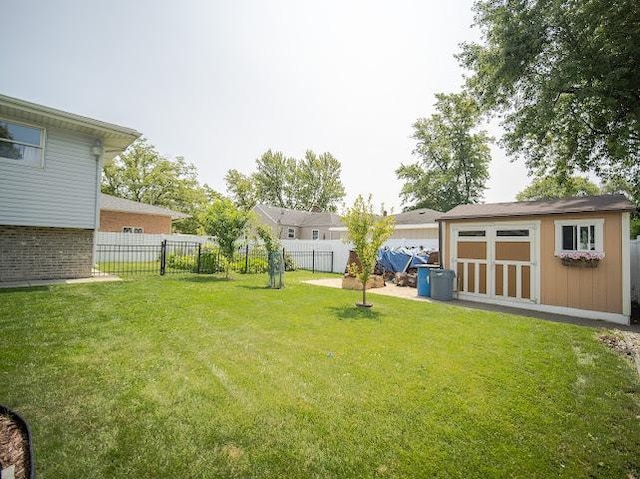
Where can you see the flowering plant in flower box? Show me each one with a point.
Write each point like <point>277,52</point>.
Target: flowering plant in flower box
<point>588,259</point>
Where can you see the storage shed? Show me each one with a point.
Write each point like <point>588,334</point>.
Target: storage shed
<point>566,256</point>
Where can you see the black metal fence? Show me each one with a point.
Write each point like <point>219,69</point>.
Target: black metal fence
<point>171,257</point>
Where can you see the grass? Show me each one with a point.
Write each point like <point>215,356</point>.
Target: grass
<point>188,376</point>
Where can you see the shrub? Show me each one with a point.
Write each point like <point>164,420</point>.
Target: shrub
<point>289,264</point>
<point>181,262</point>
<point>211,260</point>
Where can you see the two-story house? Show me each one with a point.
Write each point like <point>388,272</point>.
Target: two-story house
<point>50,171</point>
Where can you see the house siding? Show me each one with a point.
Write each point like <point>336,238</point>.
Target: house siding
<point>114,221</point>
<point>32,253</point>
<point>594,289</point>
<point>62,193</point>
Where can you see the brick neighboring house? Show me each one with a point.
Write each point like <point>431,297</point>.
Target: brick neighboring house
<point>50,169</point>
<point>118,215</point>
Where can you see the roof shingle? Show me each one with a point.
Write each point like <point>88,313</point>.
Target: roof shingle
<point>113,203</point>
<point>580,204</point>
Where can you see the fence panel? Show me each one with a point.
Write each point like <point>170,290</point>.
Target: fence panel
<point>119,259</point>
<point>635,270</point>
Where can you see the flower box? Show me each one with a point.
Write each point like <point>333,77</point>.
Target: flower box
<point>581,263</point>
<point>581,259</point>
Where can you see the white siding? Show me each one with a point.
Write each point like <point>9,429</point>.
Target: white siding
<point>62,194</point>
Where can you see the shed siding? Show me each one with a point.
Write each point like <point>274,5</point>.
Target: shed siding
<point>61,194</point>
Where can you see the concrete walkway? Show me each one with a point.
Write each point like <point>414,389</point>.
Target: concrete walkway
<point>411,293</point>
<point>47,282</point>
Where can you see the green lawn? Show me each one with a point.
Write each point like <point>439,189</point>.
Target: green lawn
<point>187,376</point>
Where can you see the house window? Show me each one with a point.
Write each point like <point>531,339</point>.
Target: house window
<point>21,142</point>
<point>315,234</point>
<point>291,233</point>
<point>132,229</point>
<point>583,235</point>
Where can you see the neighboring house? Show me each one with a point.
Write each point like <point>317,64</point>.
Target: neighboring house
<point>118,215</point>
<point>50,170</point>
<point>510,254</point>
<point>419,224</point>
<point>295,224</point>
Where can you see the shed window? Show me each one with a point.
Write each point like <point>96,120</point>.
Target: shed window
<point>471,233</point>
<point>512,233</point>
<point>21,142</point>
<point>579,235</point>
<point>315,234</point>
<point>291,233</point>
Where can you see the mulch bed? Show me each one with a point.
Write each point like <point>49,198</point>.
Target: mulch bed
<point>625,343</point>
<point>14,445</point>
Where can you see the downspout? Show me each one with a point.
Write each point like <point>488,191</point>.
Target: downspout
<point>98,152</point>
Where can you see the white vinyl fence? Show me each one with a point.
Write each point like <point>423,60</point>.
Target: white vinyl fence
<point>335,263</point>
<point>635,269</point>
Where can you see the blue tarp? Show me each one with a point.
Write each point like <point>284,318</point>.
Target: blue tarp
<point>398,260</point>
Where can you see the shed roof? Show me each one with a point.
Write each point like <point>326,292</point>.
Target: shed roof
<point>580,204</point>
<point>113,203</point>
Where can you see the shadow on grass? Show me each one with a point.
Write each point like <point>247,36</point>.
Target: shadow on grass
<point>24,288</point>
<point>203,278</point>
<point>352,312</point>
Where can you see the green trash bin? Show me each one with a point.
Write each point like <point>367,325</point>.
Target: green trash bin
<point>442,284</point>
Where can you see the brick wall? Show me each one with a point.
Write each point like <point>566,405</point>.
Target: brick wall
<point>114,221</point>
<point>28,252</point>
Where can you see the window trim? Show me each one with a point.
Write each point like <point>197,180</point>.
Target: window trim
<point>597,223</point>
<point>43,142</point>
<point>317,232</point>
<point>133,230</point>
<point>291,233</point>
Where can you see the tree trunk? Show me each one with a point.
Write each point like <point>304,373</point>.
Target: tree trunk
<point>364,294</point>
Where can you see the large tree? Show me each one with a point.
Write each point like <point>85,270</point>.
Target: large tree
<point>564,76</point>
<point>453,157</point>
<point>142,174</point>
<point>312,182</point>
<point>554,187</point>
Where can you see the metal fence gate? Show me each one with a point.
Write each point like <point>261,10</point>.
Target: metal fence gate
<point>172,257</point>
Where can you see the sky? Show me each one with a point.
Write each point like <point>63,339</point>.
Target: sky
<point>220,82</point>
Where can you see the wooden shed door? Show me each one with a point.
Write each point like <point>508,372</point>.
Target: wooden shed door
<point>496,261</point>
<point>472,261</point>
<point>513,263</point>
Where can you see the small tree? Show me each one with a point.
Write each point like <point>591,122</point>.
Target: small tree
<point>224,221</point>
<point>367,232</point>
<point>274,254</point>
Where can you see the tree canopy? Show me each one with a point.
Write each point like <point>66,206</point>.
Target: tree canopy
<point>367,232</point>
<point>142,174</point>
<point>564,77</point>
<point>553,187</point>
<point>312,182</point>
<point>453,157</point>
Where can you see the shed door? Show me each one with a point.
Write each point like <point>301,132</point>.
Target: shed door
<point>495,261</point>
<point>472,260</point>
<point>513,263</point>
